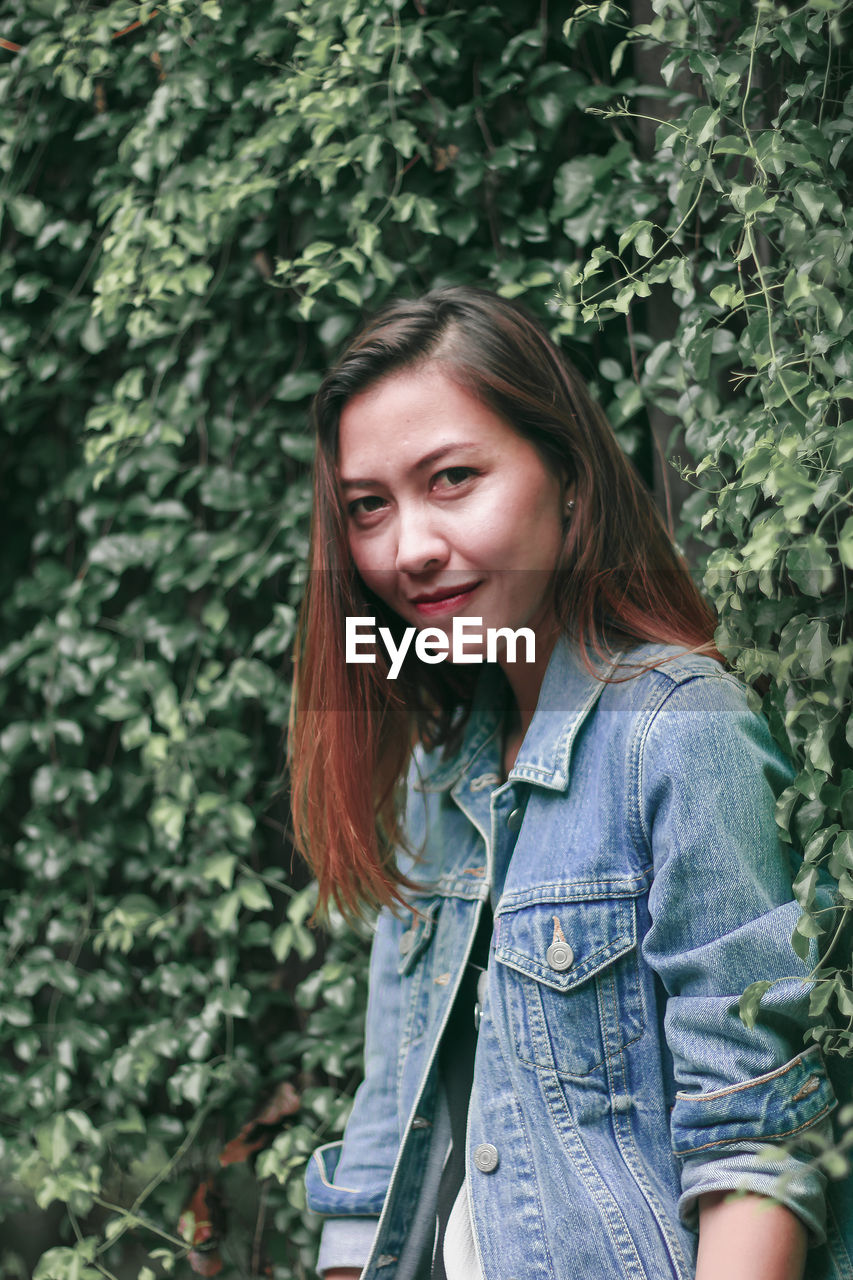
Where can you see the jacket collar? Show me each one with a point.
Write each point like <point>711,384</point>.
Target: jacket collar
<point>568,694</point>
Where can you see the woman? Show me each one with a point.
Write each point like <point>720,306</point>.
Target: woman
<point>572,844</point>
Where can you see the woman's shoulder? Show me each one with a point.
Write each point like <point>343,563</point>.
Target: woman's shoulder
<point>693,715</point>
<point>680,708</point>
<point>653,679</point>
<point>673,664</point>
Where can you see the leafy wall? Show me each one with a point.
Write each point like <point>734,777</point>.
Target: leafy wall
<point>198,203</point>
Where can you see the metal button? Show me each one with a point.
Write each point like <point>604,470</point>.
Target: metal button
<point>560,956</point>
<point>515,818</point>
<point>486,1157</point>
<point>421,1122</point>
<point>407,941</point>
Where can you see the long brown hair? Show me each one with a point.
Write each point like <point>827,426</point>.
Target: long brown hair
<point>619,580</point>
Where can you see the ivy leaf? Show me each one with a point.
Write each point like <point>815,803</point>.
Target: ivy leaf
<point>805,884</point>
<point>810,565</point>
<point>254,895</point>
<point>845,543</point>
<point>703,124</point>
<point>749,1002</point>
<point>297,386</point>
<point>221,869</point>
<point>27,213</point>
<point>842,853</point>
<point>640,235</point>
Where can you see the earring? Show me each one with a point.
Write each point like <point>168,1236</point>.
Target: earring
<point>570,506</point>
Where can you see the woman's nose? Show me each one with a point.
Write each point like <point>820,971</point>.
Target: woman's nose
<point>420,543</point>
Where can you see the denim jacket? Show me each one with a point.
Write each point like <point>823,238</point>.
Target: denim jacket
<point>638,886</point>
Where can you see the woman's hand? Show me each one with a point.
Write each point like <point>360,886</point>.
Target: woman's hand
<point>749,1237</point>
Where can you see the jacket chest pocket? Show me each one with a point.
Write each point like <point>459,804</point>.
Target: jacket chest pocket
<point>571,984</point>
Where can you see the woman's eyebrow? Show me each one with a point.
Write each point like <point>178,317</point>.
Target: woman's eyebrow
<point>428,460</point>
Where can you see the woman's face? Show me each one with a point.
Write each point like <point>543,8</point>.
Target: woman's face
<point>449,511</point>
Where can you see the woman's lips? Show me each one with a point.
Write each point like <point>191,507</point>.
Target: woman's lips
<point>445,604</point>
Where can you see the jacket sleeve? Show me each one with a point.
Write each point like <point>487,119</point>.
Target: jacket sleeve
<point>350,1179</point>
<point>346,1242</point>
<point>721,918</point>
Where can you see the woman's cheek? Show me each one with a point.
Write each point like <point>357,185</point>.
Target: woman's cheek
<point>380,579</point>
<point>484,532</point>
<point>366,554</point>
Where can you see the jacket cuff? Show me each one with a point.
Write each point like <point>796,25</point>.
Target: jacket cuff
<point>324,1196</point>
<point>346,1242</point>
<point>768,1108</point>
<point>788,1179</point>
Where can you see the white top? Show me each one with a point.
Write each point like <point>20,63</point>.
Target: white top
<point>460,1252</point>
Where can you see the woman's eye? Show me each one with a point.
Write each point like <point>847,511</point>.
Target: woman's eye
<point>453,476</point>
<point>365,506</point>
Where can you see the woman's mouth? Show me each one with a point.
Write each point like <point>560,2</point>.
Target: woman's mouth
<point>434,603</point>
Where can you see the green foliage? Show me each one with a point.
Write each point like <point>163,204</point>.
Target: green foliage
<point>747,218</point>
<point>197,205</point>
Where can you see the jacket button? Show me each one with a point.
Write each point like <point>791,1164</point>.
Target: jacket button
<point>515,818</point>
<point>407,941</point>
<point>560,956</point>
<point>486,1157</point>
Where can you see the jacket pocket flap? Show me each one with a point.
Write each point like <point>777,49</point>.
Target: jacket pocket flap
<point>562,944</point>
